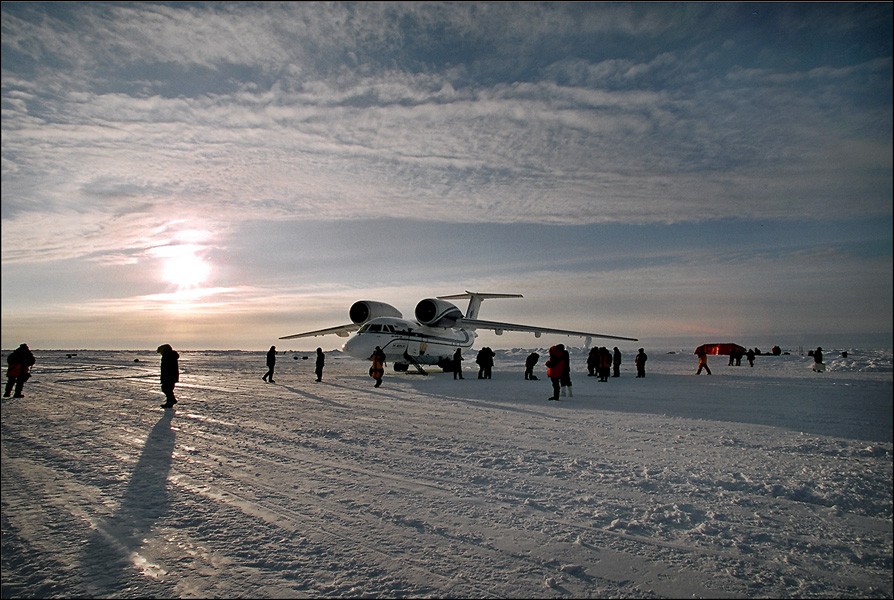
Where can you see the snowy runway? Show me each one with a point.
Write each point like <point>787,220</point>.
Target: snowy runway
<point>669,486</point>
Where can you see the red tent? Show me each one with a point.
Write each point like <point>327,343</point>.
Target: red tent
<point>721,349</point>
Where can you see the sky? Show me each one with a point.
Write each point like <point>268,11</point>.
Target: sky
<point>218,175</point>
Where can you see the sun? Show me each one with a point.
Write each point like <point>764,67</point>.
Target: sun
<point>185,268</point>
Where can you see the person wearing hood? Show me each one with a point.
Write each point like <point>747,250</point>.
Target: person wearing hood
<point>170,373</point>
<point>532,359</point>
<point>556,366</point>
<point>20,362</point>
<point>318,368</point>
<point>271,365</point>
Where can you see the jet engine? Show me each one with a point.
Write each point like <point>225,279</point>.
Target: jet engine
<point>437,313</point>
<point>364,310</point>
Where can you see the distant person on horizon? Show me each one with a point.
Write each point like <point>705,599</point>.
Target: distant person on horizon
<point>271,363</point>
<point>616,362</point>
<point>750,356</point>
<point>702,360</point>
<point>170,373</point>
<point>458,364</point>
<point>377,370</point>
<point>640,362</point>
<point>532,359</point>
<point>818,364</point>
<point>321,360</point>
<point>20,362</point>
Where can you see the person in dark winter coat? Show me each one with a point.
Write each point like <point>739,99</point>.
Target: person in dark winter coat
<point>170,373</point>
<point>640,362</point>
<point>458,364</point>
<point>20,362</point>
<point>818,365</point>
<point>532,359</point>
<point>321,360</point>
<point>605,363</point>
<point>593,361</point>
<point>485,360</point>
<point>616,363</point>
<point>271,363</point>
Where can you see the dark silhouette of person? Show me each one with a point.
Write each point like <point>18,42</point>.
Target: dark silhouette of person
<point>377,370</point>
<point>170,373</point>
<point>750,356</point>
<point>271,363</point>
<point>555,368</point>
<point>702,360</point>
<point>485,360</point>
<point>640,362</point>
<point>616,363</point>
<point>605,363</point>
<point>458,364</point>
<point>818,365</point>
<point>593,361</point>
<point>532,359</point>
<point>321,361</point>
<point>18,372</point>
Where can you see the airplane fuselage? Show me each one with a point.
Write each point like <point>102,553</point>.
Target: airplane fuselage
<point>439,330</point>
<point>406,341</point>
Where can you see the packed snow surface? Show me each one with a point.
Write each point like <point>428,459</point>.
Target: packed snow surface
<point>766,481</point>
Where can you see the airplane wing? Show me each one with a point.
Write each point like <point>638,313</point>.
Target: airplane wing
<point>500,327</point>
<point>340,331</point>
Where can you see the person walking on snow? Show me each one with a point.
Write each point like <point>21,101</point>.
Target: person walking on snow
<point>271,363</point>
<point>702,360</point>
<point>170,373</point>
<point>20,362</point>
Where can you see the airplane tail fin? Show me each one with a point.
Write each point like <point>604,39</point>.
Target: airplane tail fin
<point>475,299</point>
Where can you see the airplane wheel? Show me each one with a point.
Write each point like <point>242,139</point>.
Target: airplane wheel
<point>401,367</point>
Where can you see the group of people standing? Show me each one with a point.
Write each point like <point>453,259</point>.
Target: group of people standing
<point>601,362</point>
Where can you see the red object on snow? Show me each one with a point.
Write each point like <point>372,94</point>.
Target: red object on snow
<point>726,349</point>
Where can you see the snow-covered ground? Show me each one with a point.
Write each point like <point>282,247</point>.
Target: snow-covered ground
<point>771,481</point>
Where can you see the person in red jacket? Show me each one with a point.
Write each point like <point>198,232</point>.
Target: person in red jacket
<point>556,366</point>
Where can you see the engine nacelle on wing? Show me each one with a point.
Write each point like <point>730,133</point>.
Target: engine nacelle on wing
<point>437,313</point>
<point>364,310</point>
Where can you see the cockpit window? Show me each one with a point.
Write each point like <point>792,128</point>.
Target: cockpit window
<point>375,328</point>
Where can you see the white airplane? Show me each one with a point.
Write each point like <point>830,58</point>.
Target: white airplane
<point>439,329</point>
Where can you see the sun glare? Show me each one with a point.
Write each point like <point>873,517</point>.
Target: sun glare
<point>185,268</point>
